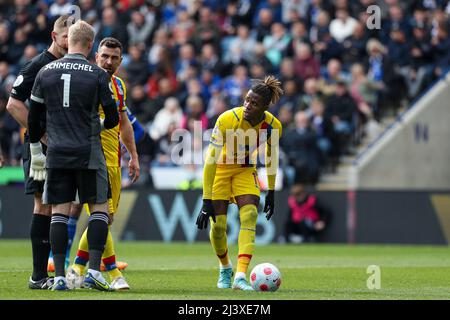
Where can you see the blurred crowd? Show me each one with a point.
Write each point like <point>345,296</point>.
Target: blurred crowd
<point>190,60</point>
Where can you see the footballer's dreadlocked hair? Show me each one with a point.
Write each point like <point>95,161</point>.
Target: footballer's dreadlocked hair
<point>269,89</point>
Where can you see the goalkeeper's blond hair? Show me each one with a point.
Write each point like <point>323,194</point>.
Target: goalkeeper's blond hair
<point>81,33</point>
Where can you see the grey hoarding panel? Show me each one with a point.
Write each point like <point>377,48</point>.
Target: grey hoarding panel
<point>16,209</point>
<point>397,217</point>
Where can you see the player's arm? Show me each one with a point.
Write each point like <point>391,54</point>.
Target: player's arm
<point>107,101</point>
<point>127,136</point>
<point>37,108</point>
<point>18,111</point>
<point>20,92</point>
<point>272,161</point>
<point>209,172</point>
<point>138,130</point>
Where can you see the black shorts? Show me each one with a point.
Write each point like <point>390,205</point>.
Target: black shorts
<point>62,186</point>
<point>31,186</point>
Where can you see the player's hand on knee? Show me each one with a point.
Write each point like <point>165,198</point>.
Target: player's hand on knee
<point>37,167</point>
<point>206,212</point>
<point>269,204</point>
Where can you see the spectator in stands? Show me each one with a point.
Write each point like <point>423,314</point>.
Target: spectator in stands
<point>210,60</point>
<point>160,41</point>
<point>398,48</point>
<point>320,26</point>
<point>194,113</point>
<point>20,42</point>
<point>306,65</point>
<point>171,113</point>
<point>294,10</point>
<point>257,71</point>
<point>363,91</point>
<point>419,73</point>
<point>290,99</point>
<point>342,110</point>
<point>186,59</point>
<point>40,32</point>
<point>206,30</point>
<point>322,126</point>
<point>310,92</point>
<point>343,26</point>
<point>300,145</point>
<point>165,91</point>
<point>140,103</point>
<point>162,70</point>
<point>29,53</point>
<point>236,85</point>
<point>307,219</point>
<point>274,6</point>
<point>354,47</point>
<point>139,29</point>
<point>260,57</point>
<point>276,44</point>
<point>333,73</point>
<point>381,70</point>
<point>441,48</point>
<point>299,34</point>
<point>137,67</point>
<point>217,105</point>
<point>286,116</point>
<point>263,24</point>
<point>240,47</point>
<point>165,147</point>
<point>287,72</point>
<point>112,28</point>
<point>185,26</point>
<point>328,48</point>
<point>59,7</point>
<point>396,20</point>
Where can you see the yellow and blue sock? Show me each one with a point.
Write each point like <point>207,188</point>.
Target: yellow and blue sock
<point>246,241</point>
<point>218,237</point>
<point>109,258</point>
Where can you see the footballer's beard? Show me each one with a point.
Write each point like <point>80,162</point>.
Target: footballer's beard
<point>110,71</point>
<point>61,50</point>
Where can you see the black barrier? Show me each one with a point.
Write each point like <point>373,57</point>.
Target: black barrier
<point>170,216</point>
<point>403,217</point>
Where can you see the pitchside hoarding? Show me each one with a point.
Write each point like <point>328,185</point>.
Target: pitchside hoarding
<point>368,217</point>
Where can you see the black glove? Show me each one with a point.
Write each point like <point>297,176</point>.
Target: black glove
<point>206,212</point>
<point>269,204</point>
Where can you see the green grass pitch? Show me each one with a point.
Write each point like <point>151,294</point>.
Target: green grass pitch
<point>189,271</point>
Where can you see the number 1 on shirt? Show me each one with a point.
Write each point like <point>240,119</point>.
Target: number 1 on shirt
<point>66,91</point>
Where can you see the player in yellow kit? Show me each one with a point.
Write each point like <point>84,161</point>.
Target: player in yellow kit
<point>230,175</point>
<point>109,58</point>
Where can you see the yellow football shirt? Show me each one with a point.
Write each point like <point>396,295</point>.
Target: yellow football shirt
<point>240,140</point>
<point>110,138</point>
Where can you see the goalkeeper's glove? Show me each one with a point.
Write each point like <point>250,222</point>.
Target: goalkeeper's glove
<point>269,204</point>
<point>206,212</point>
<point>37,168</point>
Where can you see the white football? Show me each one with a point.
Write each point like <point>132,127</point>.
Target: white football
<point>265,277</point>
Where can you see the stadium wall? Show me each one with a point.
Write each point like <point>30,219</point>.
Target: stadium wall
<point>413,153</point>
<point>400,217</point>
